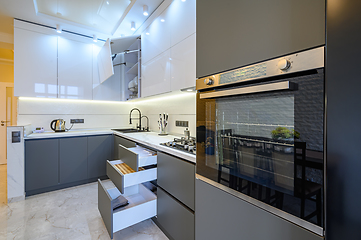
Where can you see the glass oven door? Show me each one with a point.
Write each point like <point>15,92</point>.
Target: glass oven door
<point>266,143</point>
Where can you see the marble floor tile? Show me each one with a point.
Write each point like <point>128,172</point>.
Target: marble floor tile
<point>66,214</point>
<point>3,184</point>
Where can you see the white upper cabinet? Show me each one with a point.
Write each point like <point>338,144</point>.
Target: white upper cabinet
<point>183,63</point>
<point>156,38</point>
<point>182,20</point>
<point>75,69</point>
<point>156,75</point>
<point>35,64</point>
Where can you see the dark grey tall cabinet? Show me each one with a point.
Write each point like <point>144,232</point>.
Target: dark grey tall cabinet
<point>232,34</point>
<point>99,151</point>
<point>343,117</point>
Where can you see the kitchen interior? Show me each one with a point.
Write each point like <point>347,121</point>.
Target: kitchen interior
<point>179,119</point>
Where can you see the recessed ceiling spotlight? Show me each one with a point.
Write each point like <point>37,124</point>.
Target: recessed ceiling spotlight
<point>132,26</point>
<point>58,29</point>
<point>162,20</point>
<point>108,2</point>
<point>145,10</point>
<point>183,0</point>
<point>147,33</point>
<point>95,39</point>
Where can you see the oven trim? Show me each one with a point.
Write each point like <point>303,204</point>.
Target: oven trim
<point>277,212</point>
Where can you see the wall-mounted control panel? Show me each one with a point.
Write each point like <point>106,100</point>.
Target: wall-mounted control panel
<point>15,137</point>
<point>76,120</point>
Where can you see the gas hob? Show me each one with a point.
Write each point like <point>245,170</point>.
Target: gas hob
<point>183,144</point>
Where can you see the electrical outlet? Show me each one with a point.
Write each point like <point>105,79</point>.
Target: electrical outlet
<point>76,121</point>
<point>181,123</point>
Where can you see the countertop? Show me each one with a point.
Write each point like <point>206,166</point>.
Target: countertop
<point>150,139</point>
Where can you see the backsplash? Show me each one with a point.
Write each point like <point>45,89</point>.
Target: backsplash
<point>103,114</point>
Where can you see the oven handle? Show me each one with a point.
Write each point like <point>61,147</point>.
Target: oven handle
<point>286,85</point>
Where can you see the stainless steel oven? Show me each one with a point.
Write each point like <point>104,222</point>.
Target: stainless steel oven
<point>260,135</point>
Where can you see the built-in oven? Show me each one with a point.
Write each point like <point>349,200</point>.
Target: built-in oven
<point>260,135</point>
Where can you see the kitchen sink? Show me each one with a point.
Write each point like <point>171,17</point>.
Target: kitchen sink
<point>128,130</point>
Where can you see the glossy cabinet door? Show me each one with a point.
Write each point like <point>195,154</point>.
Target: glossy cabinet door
<point>41,164</point>
<point>35,64</point>
<point>156,38</point>
<point>183,63</point>
<point>75,69</point>
<point>232,34</point>
<point>156,75</point>
<point>182,20</point>
<point>73,159</point>
<point>99,151</point>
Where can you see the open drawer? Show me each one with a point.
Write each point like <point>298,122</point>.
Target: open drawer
<point>123,176</point>
<point>142,205</point>
<point>136,157</point>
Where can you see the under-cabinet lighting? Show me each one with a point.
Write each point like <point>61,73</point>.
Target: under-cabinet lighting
<point>95,39</point>
<point>145,10</point>
<point>132,26</point>
<point>58,29</point>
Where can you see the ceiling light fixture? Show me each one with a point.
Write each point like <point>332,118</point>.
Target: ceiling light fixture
<point>132,26</point>
<point>162,20</point>
<point>183,0</point>
<point>58,29</point>
<point>147,33</point>
<point>145,10</point>
<point>95,39</point>
<point>108,2</point>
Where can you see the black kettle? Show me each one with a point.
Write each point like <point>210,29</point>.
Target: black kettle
<point>58,125</point>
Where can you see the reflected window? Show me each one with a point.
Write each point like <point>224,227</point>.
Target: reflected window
<point>39,88</point>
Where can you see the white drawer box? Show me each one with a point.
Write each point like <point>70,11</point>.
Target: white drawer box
<point>142,205</point>
<point>137,156</point>
<point>122,181</point>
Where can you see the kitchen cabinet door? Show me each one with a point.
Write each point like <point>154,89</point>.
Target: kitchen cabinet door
<point>73,159</point>
<point>156,75</point>
<point>156,38</point>
<point>177,220</point>
<point>232,34</point>
<point>183,64</point>
<point>35,64</point>
<point>75,69</point>
<point>99,151</point>
<point>176,176</point>
<point>182,19</point>
<point>41,164</point>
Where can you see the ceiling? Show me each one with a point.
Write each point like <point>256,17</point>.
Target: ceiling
<point>103,18</point>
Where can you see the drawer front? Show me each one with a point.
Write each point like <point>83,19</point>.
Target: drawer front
<point>136,157</point>
<point>121,181</point>
<point>177,177</point>
<point>124,142</point>
<point>177,220</point>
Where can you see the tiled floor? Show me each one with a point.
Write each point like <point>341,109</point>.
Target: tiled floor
<point>65,214</point>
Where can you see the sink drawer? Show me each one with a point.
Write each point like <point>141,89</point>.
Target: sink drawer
<point>137,156</point>
<point>123,176</point>
<point>142,205</point>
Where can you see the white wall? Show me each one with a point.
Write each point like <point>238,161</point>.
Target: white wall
<point>103,114</point>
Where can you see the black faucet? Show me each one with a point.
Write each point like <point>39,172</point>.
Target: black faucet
<point>146,129</point>
<point>140,117</point>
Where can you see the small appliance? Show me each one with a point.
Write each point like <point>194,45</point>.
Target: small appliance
<point>58,125</point>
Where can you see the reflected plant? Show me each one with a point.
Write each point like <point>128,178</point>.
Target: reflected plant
<point>284,133</point>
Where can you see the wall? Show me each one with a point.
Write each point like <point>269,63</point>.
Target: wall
<point>6,65</point>
<point>103,114</point>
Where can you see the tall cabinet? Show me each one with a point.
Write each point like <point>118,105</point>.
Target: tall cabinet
<point>232,34</point>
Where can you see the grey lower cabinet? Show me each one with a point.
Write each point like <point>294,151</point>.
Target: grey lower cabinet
<point>221,215</point>
<point>99,151</point>
<point>232,34</point>
<point>176,204</point>
<point>56,163</point>
<point>174,218</point>
<point>122,141</point>
<point>177,177</point>
<point>41,165</point>
<point>73,159</point>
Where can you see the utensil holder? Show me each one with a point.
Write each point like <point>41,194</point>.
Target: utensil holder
<point>162,131</point>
